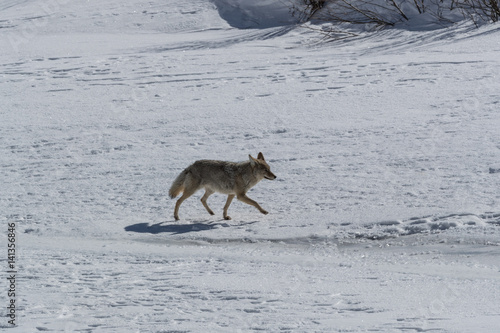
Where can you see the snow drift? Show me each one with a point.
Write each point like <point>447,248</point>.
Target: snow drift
<point>260,14</point>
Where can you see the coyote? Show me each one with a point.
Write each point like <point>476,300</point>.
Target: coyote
<point>233,179</point>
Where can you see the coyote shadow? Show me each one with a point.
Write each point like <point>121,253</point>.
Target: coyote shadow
<point>173,229</point>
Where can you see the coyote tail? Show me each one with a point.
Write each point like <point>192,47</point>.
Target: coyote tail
<point>178,184</point>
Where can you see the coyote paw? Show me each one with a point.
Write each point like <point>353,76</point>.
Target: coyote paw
<point>227,217</point>
<point>265,212</point>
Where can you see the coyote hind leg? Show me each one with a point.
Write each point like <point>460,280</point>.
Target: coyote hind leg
<point>204,200</point>
<point>230,198</point>
<point>186,194</point>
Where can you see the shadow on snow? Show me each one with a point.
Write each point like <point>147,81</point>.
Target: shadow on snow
<point>174,229</point>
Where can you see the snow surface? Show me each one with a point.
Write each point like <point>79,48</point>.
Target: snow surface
<point>385,216</point>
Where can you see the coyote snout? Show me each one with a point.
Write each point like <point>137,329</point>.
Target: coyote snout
<point>233,179</point>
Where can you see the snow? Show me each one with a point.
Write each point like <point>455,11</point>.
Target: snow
<point>384,217</point>
<point>256,14</point>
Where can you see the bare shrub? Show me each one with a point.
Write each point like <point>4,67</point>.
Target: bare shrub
<point>381,13</point>
<point>479,10</point>
<point>304,10</point>
<point>350,11</point>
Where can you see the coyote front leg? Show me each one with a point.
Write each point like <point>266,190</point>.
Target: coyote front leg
<point>243,197</point>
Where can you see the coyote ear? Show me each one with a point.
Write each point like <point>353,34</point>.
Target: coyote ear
<point>260,157</point>
<point>252,160</point>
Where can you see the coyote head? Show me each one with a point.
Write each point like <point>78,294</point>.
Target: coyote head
<point>260,167</point>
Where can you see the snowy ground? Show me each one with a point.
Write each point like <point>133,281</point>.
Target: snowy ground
<point>385,216</point>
